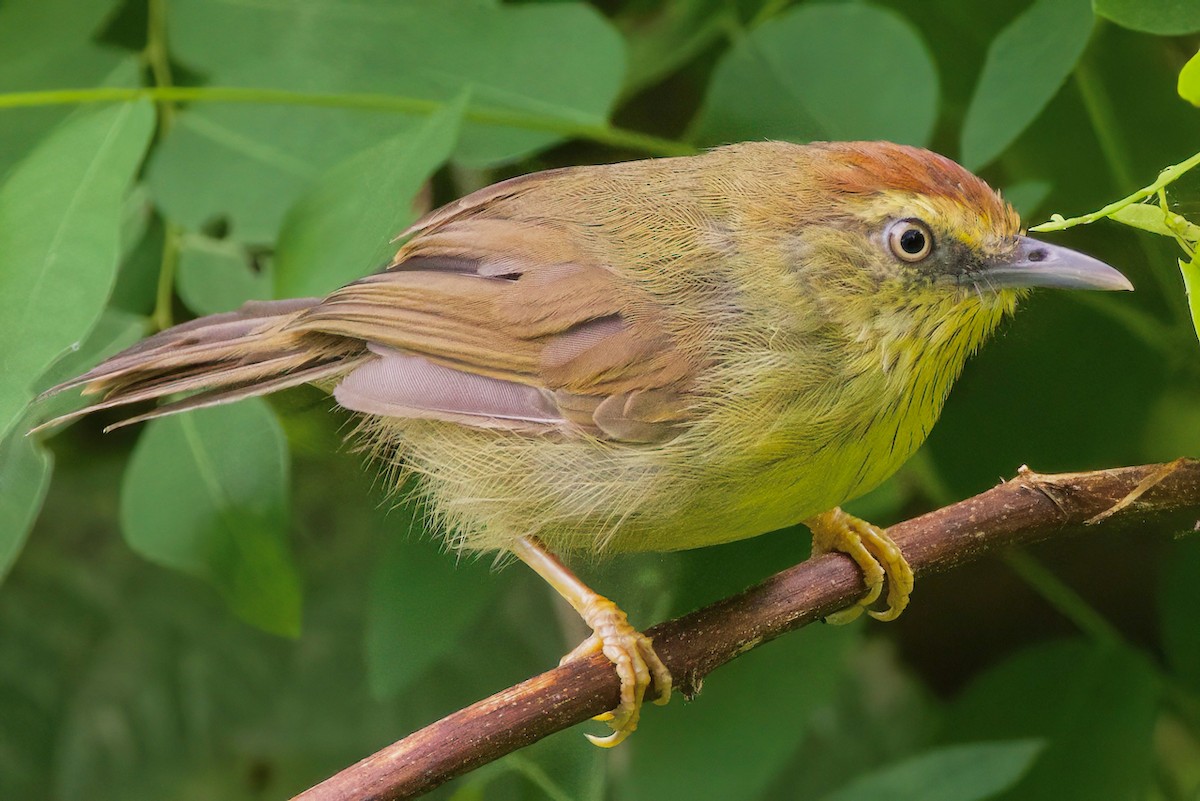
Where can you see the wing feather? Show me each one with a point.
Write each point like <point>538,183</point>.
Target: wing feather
<point>506,323</point>
<point>398,384</point>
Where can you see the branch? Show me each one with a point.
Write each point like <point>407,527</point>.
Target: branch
<point>1028,508</point>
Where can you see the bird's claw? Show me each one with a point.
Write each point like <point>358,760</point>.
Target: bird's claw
<point>876,554</point>
<point>632,653</point>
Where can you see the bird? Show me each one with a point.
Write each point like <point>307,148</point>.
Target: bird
<point>646,356</point>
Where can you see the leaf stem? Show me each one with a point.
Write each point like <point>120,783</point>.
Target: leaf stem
<point>1104,123</point>
<point>164,296</point>
<point>1069,603</point>
<point>1166,177</point>
<point>1106,126</point>
<point>768,10</point>
<point>601,133</point>
<point>536,776</point>
<point>156,57</point>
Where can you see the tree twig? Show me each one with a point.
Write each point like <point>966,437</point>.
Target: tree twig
<point>1028,508</point>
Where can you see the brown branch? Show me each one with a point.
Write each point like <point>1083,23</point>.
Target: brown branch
<point>1030,507</point>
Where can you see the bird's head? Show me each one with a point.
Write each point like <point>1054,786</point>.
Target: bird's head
<point>925,245</point>
<point>933,224</point>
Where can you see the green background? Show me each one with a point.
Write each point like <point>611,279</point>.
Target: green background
<point>226,605</point>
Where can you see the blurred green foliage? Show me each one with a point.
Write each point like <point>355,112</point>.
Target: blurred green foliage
<point>134,658</point>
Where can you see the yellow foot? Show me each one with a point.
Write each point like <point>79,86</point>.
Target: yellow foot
<point>632,653</point>
<point>876,554</point>
<point>627,648</point>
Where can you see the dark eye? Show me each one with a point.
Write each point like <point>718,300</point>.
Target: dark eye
<point>910,240</point>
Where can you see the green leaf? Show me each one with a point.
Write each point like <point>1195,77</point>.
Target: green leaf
<point>136,288</point>
<point>206,493</point>
<point>215,275</point>
<point>955,773</point>
<point>678,745</point>
<point>342,228</point>
<point>1026,65</point>
<point>60,217</point>
<point>1189,80</point>
<point>669,36</point>
<point>249,163</point>
<point>852,71</point>
<point>113,332</point>
<point>30,27</point>
<point>881,713</point>
<point>1163,17</point>
<point>244,166</point>
<point>1177,599</point>
<point>423,598</point>
<point>1094,705</point>
<point>1191,283</point>
<point>1144,216</point>
<point>46,45</point>
<point>24,478</point>
<point>119,681</point>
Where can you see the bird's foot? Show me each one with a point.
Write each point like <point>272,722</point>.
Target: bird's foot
<point>632,653</point>
<point>875,553</point>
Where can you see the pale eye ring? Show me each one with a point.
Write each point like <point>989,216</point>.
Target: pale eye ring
<point>910,240</point>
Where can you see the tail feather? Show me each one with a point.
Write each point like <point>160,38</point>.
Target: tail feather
<point>235,393</point>
<point>220,358</point>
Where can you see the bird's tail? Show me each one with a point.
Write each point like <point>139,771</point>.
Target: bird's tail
<point>217,359</point>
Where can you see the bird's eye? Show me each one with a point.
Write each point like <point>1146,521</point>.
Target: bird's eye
<point>910,240</point>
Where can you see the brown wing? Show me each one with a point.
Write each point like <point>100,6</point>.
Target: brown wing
<point>506,323</point>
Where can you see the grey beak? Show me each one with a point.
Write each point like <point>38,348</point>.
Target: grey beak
<point>1037,263</point>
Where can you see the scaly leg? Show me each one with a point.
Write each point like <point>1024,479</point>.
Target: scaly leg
<point>627,648</point>
<point>875,553</point>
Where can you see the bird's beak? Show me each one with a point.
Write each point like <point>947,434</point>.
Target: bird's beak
<point>1037,263</point>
